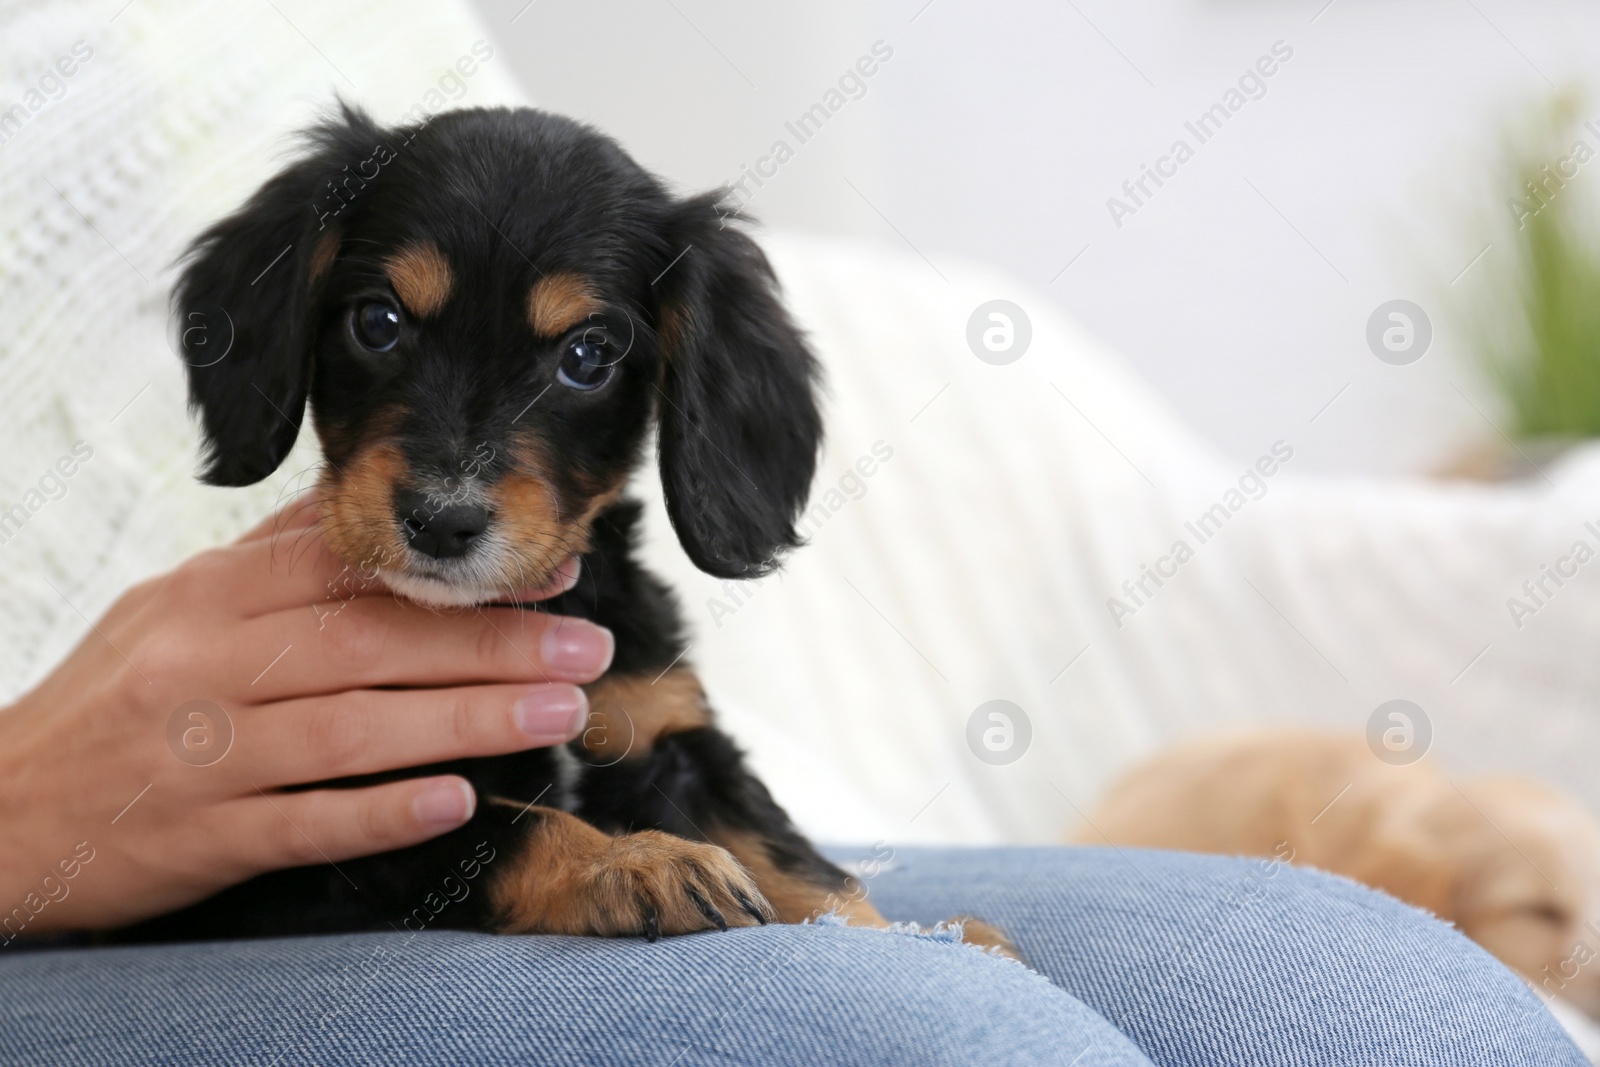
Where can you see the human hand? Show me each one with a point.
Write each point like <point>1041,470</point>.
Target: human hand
<point>105,818</point>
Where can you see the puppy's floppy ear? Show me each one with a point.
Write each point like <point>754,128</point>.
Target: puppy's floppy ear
<point>243,302</point>
<point>739,425</point>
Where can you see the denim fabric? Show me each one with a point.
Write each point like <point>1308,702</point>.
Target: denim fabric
<point>812,995</point>
<point>1197,960</point>
<point>1249,963</point>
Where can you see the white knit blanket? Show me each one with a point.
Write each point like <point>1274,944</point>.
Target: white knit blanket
<point>1005,505</point>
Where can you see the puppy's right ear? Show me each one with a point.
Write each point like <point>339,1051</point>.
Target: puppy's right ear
<point>242,306</point>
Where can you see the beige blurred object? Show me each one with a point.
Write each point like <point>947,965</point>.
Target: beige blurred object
<point>1515,865</point>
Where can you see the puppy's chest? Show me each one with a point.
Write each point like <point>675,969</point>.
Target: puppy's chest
<point>548,777</point>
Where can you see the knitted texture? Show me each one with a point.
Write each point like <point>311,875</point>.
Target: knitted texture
<point>178,112</point>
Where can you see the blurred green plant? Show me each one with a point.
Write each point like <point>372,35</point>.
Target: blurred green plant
<point>1536,325</point>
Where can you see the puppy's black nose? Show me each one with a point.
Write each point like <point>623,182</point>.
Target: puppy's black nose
<point>439,528</point>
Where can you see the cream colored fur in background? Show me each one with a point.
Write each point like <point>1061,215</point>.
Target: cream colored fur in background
<point>1514,864</point>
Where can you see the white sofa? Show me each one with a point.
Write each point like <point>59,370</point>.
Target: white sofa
<point>973,564</point>
<point>980,563</point>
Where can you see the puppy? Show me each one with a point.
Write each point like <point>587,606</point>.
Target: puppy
<point>1514,865</point>
<point>485,316</point>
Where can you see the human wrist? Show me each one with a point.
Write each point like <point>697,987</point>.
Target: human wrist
<point>34,880</point>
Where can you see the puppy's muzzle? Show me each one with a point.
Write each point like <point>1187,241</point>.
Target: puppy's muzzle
<point>440,529</point>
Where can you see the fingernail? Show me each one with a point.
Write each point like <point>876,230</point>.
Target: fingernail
<point>578,646</point>
<point>552,713</point>
<point>447,803</point>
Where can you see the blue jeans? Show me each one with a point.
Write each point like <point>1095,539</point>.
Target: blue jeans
<point>1137,957</point>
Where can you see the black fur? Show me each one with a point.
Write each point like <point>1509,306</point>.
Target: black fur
<point>510,196</point>
<point>247,291</point>
<point>738,398</point>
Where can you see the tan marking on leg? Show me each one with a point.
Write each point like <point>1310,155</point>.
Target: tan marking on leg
<point>987,935</point>
<point>558,302</point>
<point>797,899</point>
<point>628,713</point>
<point>421,277</point>
<point>570,878</point>
<point>323,254</point>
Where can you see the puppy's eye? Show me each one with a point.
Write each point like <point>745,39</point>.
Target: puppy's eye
<point>376,325</point>
<point>586,362</point>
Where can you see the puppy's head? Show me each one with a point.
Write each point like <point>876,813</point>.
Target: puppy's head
<point>485,314</point>
<point>1529,892</point>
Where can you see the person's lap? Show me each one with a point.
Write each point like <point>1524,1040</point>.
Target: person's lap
<point>1196,960</point>
<point>802,995</point>
<point>1208,960</point>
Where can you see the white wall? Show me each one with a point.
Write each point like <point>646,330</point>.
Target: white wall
<point>999,129</point>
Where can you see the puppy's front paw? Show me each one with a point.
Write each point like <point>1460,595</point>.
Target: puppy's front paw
<point>658,884</point>
<point>646,883</point>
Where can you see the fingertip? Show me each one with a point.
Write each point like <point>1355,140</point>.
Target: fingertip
<point>577,648</point>
<point>444,803</point>
<point>298,513</point>
<point>303,511</point>
<point>565,578</point>
<point>552,714</point>
<point>568,573</point>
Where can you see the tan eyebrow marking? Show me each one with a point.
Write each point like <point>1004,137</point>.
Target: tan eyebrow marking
<point>421,276</point>
<point>558,302</point>
<point>323,255</point>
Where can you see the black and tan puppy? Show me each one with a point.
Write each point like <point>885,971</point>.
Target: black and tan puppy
<point>485,316</point>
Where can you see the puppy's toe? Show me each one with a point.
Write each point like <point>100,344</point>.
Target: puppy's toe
<point>658,885</point>
<point>987,935</point>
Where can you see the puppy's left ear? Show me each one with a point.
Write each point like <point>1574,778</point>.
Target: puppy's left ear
<point>739,425</point>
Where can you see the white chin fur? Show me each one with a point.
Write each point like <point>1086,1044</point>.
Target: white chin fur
<point>437,593</point>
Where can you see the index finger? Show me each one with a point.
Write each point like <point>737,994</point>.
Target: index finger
<point>276,570</point>
<point>300,512</point>
<point>380,642</point>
